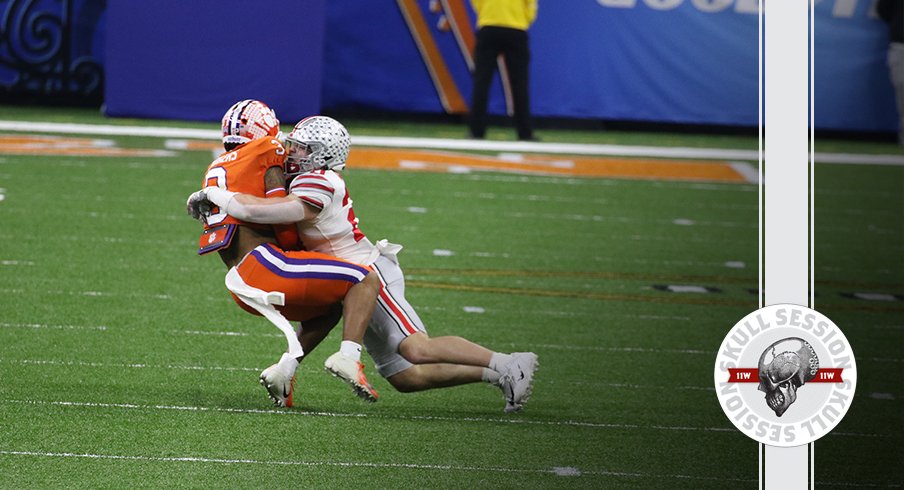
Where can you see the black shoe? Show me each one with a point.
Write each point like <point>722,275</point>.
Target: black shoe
<point>529,138</point>
<point>475,137</point>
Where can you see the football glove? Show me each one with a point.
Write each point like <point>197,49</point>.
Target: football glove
<point>198,206</point>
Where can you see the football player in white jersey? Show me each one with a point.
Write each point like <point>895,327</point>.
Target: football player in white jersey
<point>396,339</point>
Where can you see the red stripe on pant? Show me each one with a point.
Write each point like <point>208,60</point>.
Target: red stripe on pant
<point>397,312</point>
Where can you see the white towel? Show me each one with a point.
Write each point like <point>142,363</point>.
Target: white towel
<point>263,302</point>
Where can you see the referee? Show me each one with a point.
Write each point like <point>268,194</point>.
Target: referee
<point>502,29</point>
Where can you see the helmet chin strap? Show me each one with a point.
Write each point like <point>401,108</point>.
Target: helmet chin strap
<point>235,139</point>
<point>303,166</point>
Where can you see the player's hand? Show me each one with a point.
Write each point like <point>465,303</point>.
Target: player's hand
<point>197,206</point>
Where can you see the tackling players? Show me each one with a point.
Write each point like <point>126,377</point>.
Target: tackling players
<point>265,275</point>
<point>397,340</point>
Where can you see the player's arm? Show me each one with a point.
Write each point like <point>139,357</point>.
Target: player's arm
<point>269,210</point>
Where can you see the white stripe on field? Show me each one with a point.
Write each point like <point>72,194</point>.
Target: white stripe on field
<point>195,459</point>
<point>51,327</point>
<point>556,471</point>
<point>645,350</point>
<point>15,262</point>
<point>513,420</point>
<point>455,144</point>
<point>632,386</point>
<point>224,333</point>
<point>653,350</point>
<point>96,294</point>
<point>131,366</point>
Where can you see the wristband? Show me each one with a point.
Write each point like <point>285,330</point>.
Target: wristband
<point>220,197</point>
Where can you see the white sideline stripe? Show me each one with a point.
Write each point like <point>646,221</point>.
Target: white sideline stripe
<point>882,396</point>
<point>646,350</point>
<point>194,459</point>
<point>224,333</point>
<point>569,472</point>
<point>654,350</point>
<point>563,423</point>
<point>517,421</point>
<point>650,350</point>
<point>709,389</point>
<point>109,129</point>
<point>622,349</point>
<point>227,333</point>
<point>52,327</point>
<point>262,334</point>
<point>456,144</point>
<point>132,366</point>
<point>97,294</point>
<point>14,262</point>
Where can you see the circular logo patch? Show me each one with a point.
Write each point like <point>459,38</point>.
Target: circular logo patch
<point>785,375</point>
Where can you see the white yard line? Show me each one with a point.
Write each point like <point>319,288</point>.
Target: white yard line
<point>194,459</point>
<point>563,472</point>
<point>299,412</point>
<point>592,348</point>
<point>455,144</point>
<point>95,294</point>
<point>648,350</point>
<point>137,365</point>
<point>708,389</point>
<point>213,333</point>
<point>52,327</point>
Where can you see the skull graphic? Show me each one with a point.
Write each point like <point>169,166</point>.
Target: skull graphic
<point>784,367</point>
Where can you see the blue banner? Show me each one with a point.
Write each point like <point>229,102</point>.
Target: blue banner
<point>852,83</point>
<point>193,59</point>
<point>677,61</point>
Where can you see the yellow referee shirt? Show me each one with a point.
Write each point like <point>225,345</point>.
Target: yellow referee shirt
<point>517,14</point>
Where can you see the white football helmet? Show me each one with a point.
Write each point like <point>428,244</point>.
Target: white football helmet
<point>316,142</point>
<point>248,120</point>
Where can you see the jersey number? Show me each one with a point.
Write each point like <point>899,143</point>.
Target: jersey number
<point>216,177</point>
<point>346,202</point>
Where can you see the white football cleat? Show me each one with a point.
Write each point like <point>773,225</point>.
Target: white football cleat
<point>279,386</point>
<point>352,372</point>
<point>517,380</point>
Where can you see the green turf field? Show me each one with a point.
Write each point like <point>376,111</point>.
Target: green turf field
<point>124,363</point>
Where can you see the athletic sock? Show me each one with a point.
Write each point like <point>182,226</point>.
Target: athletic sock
<point>499,361</point>
<point>350,349</point>
<point>490,376</point>
<point>287,364</point>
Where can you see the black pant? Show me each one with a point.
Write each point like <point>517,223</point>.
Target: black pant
<point>513,45</point>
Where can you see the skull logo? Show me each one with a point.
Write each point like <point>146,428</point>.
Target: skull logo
<point>784,367</point>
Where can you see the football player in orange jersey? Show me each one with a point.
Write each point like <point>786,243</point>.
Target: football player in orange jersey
<point>267,274</point>
<point>396,339</point>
